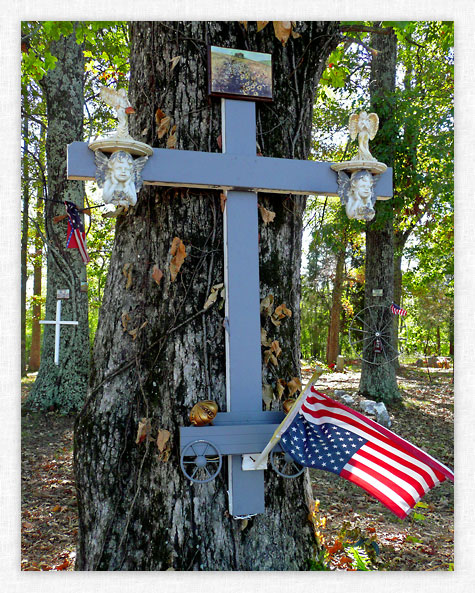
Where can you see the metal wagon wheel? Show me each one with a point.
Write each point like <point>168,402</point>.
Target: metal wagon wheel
<point>284,464</point>
<point>370,335</point>
<point>201,461</point>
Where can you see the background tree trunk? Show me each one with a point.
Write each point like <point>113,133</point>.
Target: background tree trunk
<point>24,246</point>
<point>64,386</point>
<point>335,313</point>
<point>137,511</point>
<point>35,348</point>
<point>379,381</point>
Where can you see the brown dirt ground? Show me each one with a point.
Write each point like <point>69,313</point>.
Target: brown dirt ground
<point>49,509</point>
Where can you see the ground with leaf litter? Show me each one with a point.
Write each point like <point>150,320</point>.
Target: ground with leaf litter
<point>346,517</point>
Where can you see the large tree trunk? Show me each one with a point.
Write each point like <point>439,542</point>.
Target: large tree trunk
<point>137,511</point>
<point>378,381</point>
<point>64,386</point>
<point>335,313</point>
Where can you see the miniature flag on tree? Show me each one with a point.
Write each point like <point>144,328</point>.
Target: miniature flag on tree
<point>396,310</point>
<point>76,235</point>
<point>327,435</point>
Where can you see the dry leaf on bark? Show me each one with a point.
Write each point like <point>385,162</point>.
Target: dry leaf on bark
<point>275,347</point>
<point>264,340</point>
<point>280,386</point>
<point>171,141</point>
<point>281,311</point>
<point>174,61</point>
<point>294,385</point>
<point>124,318</point>
<point>267,215</point>
<point>213,295</point>
<point>143,430</point>
<point>178,252</point>
<point>261,25</point>
<point>162,439</point>
<point>134,332</point>
<point>127,271</point>
<point>269,356</point>
<point>164,126</point>
<point>157,274</point>
<point>244,24</point>
<point>267,395</point>
<point>159,115</point>
<point>282,30</point>
<point>267,304</point>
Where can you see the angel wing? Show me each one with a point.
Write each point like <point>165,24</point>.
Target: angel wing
<point>113,98</point>
<point>374,197</point>
<point>102,162</point>
<point>373,125</point>
<point>343,186</point>
<point>139,164</point>
<point>353,125</point>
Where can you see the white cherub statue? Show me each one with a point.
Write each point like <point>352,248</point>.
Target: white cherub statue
<point>364,126</point>
<point>119,101</point>
<point>119,176</point>
<point>357,194</point>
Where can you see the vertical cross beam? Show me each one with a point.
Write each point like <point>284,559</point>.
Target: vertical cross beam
<point>241,278</point>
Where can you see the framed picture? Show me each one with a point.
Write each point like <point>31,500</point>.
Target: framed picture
<point>237,73</point>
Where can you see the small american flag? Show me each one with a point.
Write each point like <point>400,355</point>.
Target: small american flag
<point>76,234</point>
<point>396,310</point>
<point>330,436</point>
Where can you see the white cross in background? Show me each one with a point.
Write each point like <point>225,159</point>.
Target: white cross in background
<point>57,323</point>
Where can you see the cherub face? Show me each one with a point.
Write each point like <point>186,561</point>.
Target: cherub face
<point>362,188</point>
<point>120,170</point>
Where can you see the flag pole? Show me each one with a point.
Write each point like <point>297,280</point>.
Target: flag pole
<point>286,421</point>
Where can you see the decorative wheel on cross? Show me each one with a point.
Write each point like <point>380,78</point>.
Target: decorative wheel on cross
<point>370,335</point>
<point>201,461</point>
<point>284,465</point>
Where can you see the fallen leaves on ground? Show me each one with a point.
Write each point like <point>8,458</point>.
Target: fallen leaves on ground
<point>49,522</point>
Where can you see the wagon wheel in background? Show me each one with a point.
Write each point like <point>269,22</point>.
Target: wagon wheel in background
<point>284,464</point>
<point>370,335</point>
<point>201,461</point>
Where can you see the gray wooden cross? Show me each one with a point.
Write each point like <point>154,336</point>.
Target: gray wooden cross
<point>244,428</point>
<point>58,323</point>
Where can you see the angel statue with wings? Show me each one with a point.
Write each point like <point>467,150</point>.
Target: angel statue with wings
<point>364,126</point>
<point>119,101</point>
<point>357,194</point>
<point>119,176</point>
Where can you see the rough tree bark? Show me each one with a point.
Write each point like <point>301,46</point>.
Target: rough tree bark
<point>137,512</point>
<point>379,381</point>
<point>63,387</point>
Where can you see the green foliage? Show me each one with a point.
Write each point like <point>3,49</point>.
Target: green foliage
<point>106,51</point>
<point>422,142</point>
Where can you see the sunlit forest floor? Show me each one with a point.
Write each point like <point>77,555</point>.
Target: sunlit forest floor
<point>424,541</point>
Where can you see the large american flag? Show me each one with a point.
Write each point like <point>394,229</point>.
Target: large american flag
<point>76,237</point>
<point>330,436</point>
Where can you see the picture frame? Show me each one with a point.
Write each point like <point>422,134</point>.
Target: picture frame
<point>239,74</point>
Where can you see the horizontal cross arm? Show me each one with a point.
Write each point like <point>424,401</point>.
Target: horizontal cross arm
<point>188,168</point>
